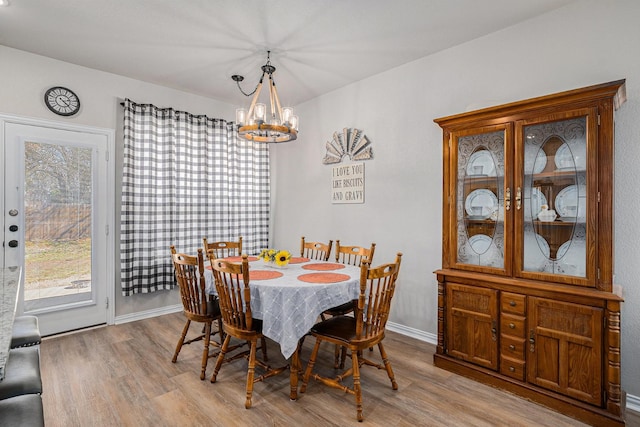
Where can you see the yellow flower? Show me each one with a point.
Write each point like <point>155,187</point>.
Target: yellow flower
<point>277,256</point>
<point>282,258</point>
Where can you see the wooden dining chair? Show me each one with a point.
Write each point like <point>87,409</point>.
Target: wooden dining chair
<point>196,304</point>
<point>357,333</point>
<point>352,255</point>
<point>315,250</point>
<point>232,286</point>
<point>223,249</point>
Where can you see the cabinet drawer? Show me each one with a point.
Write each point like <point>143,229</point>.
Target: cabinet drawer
<point>512,347</point>
<point>512,303</point>
<point>512,325</point>
<point>512,368</point>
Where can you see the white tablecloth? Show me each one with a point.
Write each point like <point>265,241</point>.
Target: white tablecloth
<point>289,307</point>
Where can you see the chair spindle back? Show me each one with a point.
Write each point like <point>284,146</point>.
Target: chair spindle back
<point>234,294</point>
<point>223,249</point>
<point>353,255</point>
<point>315,250</point>
<point>377,286</point>
<point>189,272</point>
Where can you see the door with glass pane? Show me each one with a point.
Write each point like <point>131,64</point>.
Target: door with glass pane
<point>55,202</point>
<point>482,200</point>
<point>555,178</point>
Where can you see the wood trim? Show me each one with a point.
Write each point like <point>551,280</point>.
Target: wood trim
<point>514,111</point>
<point>525,286</point>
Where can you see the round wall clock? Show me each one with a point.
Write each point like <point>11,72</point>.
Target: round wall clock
<point>62,101</point>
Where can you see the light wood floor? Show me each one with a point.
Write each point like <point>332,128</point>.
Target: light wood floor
<point>123,376</point>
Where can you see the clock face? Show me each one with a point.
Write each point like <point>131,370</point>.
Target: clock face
<point>62,101</point>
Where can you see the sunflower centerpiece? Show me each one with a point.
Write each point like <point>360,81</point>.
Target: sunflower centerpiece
<point>275,257</point>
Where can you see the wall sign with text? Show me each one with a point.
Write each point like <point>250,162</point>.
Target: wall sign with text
<point>347,183</point>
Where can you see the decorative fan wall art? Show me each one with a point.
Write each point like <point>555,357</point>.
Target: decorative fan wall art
<point>351,143</point>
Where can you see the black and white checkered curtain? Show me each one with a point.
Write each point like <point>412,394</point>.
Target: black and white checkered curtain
<point>186,177</point>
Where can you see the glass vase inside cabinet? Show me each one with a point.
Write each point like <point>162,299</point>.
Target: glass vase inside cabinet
<point>479,214</point>
<point>554,197</point>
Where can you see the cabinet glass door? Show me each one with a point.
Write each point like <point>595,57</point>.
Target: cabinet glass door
<point>480,198</point>
<point>553,201</point>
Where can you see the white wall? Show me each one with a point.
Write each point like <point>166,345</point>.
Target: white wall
<point>26,77</point>
<point>585,43</point>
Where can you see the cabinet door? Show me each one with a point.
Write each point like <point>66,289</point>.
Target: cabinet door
<point>476,206</point>
<point>565,348</point>
<point>472,321</point>
<point>556,197</point>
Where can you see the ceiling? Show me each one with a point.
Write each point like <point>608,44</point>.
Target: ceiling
<point>197,45</point>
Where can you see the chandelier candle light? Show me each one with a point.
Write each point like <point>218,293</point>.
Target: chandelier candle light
<point>254,125</point>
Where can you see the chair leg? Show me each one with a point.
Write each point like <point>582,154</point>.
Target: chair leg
<point>181,341</point>
<point>223,351</point>
<point>205,352</point>
<point>343,356</point>
<point>356,384</point>
<point>340,354</point>
<point>263,346</point>
<point>312,362</point>
<point>220,331</point>
<point>387,366</point>
<point>251,372</point>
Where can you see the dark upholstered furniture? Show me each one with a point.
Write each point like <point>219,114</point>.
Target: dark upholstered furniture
<point>22,373</point>
<point>25,332</point>
<point>22,411</point>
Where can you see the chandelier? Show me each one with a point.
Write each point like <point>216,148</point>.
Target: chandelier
<point>280,125</point>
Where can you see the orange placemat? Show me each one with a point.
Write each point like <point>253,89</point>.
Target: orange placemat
<point>298,260</point>
<point>323,266</point>
<point>259,274</point>
<point>264,274</point>
<point>239,258</point>
<point>323,277</point>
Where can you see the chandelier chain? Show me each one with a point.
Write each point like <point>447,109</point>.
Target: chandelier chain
<point>250,93</point>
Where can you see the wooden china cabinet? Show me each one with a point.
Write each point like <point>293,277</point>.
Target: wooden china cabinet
<point>526,300</point>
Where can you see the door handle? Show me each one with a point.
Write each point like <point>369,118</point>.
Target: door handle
<point>532,341</point>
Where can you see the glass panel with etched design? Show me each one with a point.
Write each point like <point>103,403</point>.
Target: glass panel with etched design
<point>555,197</point>
<point>480,199</point>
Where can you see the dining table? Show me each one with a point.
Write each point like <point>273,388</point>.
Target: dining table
<point>290,299</point>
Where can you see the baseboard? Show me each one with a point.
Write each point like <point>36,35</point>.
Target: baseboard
<point>148,314</point>
<point>633,403</point>
<point>413,333</point>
